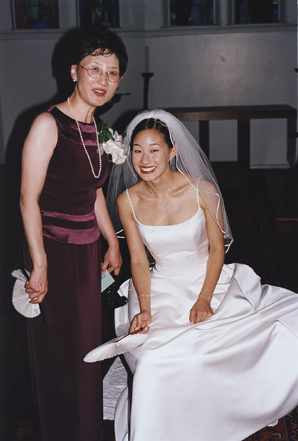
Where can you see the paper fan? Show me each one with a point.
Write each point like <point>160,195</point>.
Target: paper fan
<point>116,346</point>
<point>20,299</point>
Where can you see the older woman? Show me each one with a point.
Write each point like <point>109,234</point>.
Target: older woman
<point>64,212</point>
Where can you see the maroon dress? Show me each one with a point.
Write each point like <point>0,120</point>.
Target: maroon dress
<point>68,391</point>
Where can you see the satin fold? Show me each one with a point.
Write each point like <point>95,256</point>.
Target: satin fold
<point>219,380</point>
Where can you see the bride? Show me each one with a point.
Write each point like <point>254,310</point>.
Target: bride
<point>221,358</point>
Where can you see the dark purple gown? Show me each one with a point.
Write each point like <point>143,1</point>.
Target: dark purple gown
<point>68,391</point>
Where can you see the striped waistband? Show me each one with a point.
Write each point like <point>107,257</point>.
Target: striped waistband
<point>70,228</point>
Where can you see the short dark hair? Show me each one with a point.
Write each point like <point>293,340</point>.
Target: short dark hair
<point>96,40</point>
<point>152,123</point>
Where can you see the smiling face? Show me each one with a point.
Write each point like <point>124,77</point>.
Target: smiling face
<point>95,91</point>
<point>151,155</point>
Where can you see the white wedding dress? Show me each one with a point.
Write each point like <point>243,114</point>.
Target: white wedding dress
<point>219,380</point>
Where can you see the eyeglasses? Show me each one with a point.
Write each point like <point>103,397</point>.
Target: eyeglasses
<point>96,72</point>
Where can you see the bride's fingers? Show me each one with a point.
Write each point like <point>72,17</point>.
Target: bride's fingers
<point>199,316</point>
<point>203,316</point>
<point>136,323</point>
<point>192,316</point>
<point>142,330</point>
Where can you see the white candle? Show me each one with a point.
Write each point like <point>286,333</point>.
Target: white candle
<point>147,58</point>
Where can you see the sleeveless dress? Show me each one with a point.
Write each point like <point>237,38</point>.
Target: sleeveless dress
<point>66,390</point>
<point>219,380</point>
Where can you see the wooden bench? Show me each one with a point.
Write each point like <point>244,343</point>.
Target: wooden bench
<point>243,114</point>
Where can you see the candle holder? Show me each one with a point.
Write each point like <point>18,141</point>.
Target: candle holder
<point>146,76</point>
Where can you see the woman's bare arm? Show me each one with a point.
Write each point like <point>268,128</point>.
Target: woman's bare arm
<point>202,309</point>
<point>139,264</point>
<point>38,150</point>
<point>112,259</point>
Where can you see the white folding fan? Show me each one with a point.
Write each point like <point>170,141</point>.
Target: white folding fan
<point>116,346</point>
<point>20,299</point>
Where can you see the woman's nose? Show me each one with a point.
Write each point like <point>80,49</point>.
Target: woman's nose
<point>145,158</point>
<point>103,78</point>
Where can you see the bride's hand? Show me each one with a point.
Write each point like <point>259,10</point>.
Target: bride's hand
<point>141,321</point>
<point>200,311</point>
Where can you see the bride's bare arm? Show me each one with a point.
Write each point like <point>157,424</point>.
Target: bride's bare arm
<point>139,264</point>
<point>201,310</point>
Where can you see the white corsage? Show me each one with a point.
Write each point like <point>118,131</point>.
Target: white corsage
<point>112,143</point>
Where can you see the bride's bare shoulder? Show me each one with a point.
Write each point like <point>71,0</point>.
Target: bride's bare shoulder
<point>206,185</point>
<point>133,191</point>
<point>201,183</point>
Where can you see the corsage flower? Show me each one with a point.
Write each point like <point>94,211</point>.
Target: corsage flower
<point>112,143</point>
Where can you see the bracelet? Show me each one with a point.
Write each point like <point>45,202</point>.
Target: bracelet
<point>144,295</point>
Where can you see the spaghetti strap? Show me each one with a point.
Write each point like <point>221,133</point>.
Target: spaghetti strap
<point>133,212</point>
<point>198,199</point>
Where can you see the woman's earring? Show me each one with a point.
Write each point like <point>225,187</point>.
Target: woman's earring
<point>171,162</point>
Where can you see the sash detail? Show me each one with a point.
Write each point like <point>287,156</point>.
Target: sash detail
<point>70,228</point>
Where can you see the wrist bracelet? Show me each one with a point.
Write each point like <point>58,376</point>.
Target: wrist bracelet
<point>143,295</point>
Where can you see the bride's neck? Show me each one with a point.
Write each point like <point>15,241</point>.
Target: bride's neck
<point>162,185</point>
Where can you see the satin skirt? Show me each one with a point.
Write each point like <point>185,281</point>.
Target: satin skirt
<point>222,379</point>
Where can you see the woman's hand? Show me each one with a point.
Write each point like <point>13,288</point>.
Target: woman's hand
<point>200,311</point>
<point>112,260</point>
<point>141,321</point>
<point>37,286</point>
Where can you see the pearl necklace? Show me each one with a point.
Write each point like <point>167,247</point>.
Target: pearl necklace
<point>83,143</point>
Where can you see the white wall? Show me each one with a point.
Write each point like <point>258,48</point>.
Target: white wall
<point>228,68</point>
<point>26,79</point>
<point>192,67</point>
<point>132,82</point>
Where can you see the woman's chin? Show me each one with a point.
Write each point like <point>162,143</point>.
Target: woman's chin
<point>147,177</point>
